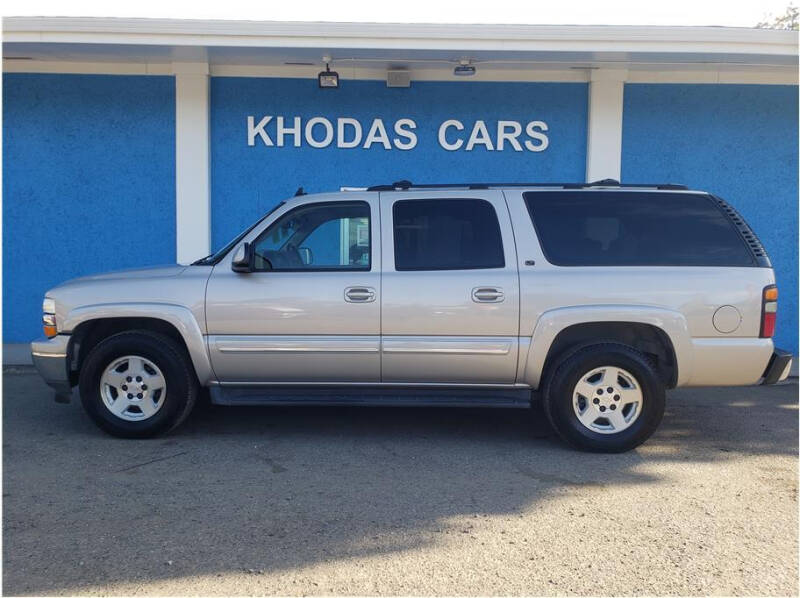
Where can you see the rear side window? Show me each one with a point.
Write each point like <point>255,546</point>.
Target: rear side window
<point>446,234</point>
<point>599,228</point>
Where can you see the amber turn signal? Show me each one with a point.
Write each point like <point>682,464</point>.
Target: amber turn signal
<point>770,294</point>
<point>49,322</point>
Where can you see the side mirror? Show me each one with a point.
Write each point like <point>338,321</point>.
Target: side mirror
<point>242,258</point>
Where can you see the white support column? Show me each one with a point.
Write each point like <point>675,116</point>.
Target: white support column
<point>192,182</point>
<point>604,143</point>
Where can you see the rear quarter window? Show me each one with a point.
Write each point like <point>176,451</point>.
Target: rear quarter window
<point>599,228</point>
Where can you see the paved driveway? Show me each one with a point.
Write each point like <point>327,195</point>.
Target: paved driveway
<point>400,501</point>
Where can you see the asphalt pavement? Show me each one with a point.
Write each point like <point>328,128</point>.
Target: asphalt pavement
<point>312,501</point>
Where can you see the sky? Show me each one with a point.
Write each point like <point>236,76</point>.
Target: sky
<point>729,13</point>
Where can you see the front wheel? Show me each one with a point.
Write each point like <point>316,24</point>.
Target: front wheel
<point>137,384</point>
<point>604,398</point>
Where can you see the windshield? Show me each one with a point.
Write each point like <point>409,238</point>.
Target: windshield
<point>213,258</point>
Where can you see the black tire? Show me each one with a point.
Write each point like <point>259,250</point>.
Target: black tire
<point>167,355</point>
<point>568,371</point>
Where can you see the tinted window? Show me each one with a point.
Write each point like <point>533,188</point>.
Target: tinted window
<point>598,228</point>
<point>446,234</point>
<point>323,236</point>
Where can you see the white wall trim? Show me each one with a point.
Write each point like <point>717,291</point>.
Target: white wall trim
<point>604,138</point>
<point>532,73</point>
<point>347,71</point>
<point>86,67</point>
<point>192,181</point>
<point>344,68</point>
<point>755,76</point>
<point>762,76</point>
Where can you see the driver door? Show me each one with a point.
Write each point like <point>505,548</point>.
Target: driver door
<point>310,310</point>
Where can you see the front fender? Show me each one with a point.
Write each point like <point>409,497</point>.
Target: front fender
<point>552,322</point>
<point>177,315</point>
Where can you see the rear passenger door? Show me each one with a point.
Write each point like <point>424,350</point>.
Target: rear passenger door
<point>450,288</point>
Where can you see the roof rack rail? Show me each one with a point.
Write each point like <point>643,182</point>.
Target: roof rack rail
<point>405,185</point>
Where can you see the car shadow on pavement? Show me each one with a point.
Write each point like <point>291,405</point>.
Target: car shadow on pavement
<point>276,489</point>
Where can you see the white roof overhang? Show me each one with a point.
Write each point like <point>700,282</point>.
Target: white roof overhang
<point>377,46</point>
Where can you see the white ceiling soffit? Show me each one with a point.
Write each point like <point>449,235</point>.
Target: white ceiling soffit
<point>597,42</point>
<point>378,58</point>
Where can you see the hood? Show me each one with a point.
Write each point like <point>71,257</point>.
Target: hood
<point>162,285</point>
<point>132,273</point>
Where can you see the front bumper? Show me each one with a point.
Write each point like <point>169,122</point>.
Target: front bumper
<point>778,367</point>
<point>51,360</point>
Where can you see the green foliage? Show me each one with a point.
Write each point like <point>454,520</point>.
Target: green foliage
<point>788,20</point>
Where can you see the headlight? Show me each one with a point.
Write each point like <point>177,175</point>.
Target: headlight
<point>49,317</point>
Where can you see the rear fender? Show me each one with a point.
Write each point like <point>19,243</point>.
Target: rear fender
<point>552,322</point>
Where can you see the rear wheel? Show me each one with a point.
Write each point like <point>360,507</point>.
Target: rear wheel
<point>604,398</point>
<point>138,384</point>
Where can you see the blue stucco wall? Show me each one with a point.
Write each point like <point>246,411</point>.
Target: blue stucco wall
<point>737,141</point>
<point>88,183</point>
<point>89,161</point>
<point>246,181</point>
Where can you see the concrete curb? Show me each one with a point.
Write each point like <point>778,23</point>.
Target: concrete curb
<point>17,354</point>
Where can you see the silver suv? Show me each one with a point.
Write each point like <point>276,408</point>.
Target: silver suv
<point>593,298</point>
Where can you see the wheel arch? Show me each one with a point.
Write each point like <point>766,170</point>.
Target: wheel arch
<point>660,333</point>
<point>90,325</point>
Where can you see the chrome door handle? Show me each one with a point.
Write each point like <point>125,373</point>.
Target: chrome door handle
<point>359,294</point>
<point>488,295</point>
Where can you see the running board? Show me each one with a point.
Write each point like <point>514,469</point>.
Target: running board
<point>370,396</point>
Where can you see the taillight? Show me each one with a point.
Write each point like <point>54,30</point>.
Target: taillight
<point>769,309</point>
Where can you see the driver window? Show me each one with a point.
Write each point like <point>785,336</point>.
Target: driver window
<point>323,236</point>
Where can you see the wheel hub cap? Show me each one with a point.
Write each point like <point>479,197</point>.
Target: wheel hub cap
<point>133,388</point>
<point>607,400</point>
